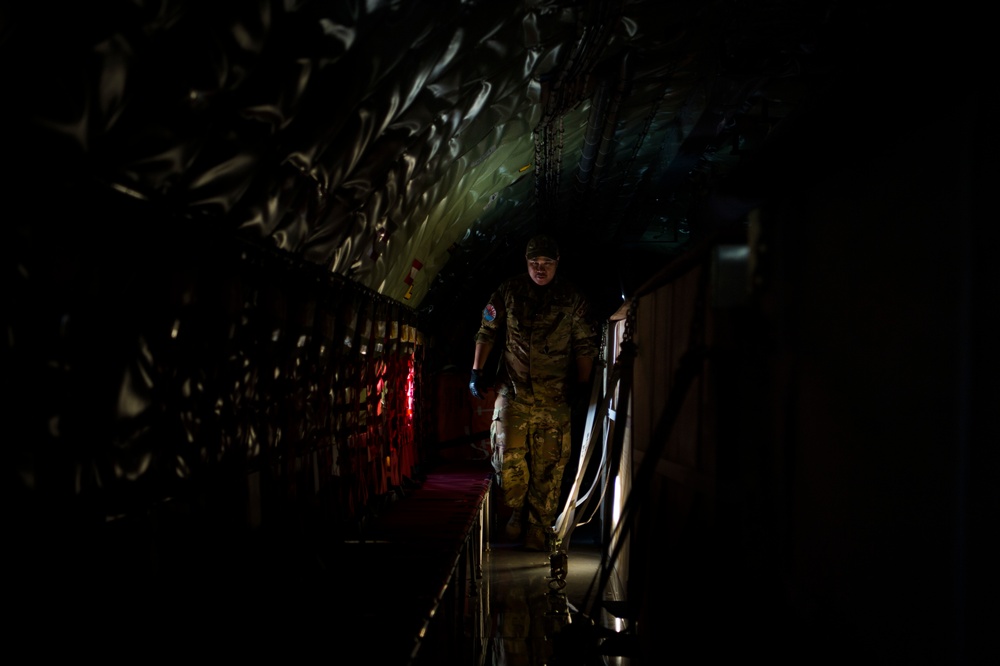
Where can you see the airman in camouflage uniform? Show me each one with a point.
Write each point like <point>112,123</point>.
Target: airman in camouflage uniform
<point>548,356</point>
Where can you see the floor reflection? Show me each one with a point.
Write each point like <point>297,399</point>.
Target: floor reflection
<point>537,614</point>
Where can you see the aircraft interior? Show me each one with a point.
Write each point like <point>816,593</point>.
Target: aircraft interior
<point>247,247</point>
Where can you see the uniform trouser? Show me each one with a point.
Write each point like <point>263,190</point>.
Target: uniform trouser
<point>531,447</point>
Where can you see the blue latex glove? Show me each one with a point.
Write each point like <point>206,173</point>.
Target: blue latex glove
<point>477,385</point>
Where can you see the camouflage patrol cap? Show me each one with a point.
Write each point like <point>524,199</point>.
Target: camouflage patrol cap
<point>542,246</point>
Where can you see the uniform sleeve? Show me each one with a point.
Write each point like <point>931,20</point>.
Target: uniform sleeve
<point>493,315</point>
<point>584,336</point>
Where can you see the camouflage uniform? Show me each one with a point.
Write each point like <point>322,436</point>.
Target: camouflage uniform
<point>547,328</point>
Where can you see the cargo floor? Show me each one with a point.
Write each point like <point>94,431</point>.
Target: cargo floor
<point>532,618</point>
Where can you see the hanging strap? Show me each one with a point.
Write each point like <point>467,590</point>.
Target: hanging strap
<point>621,378</point>
<point>689,366</point>
<point>599,407</point>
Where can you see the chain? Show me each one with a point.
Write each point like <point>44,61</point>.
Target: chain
<point>603,348</point>
<point>630,321</point>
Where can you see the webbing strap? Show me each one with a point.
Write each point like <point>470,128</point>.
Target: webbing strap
<point>689,367</point>
<point>565,522</point>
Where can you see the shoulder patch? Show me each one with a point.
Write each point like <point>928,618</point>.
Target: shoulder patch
<point>489,312</point>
